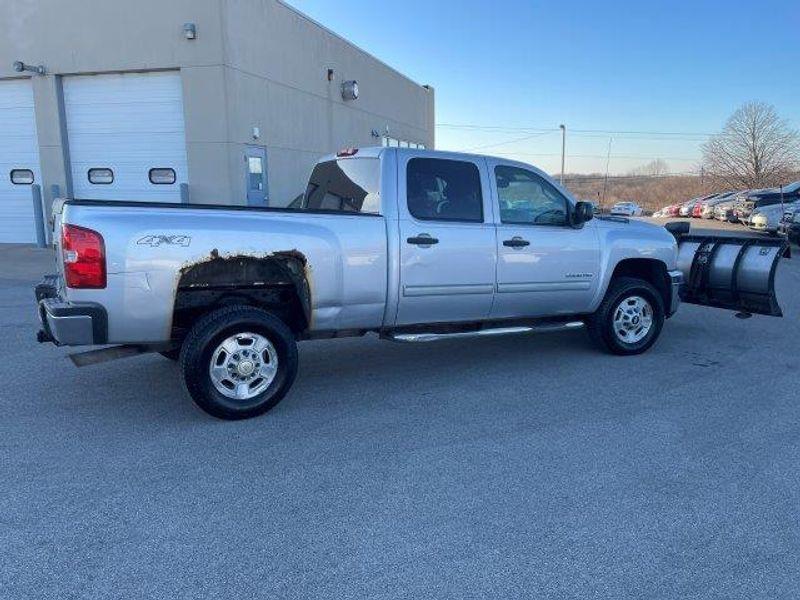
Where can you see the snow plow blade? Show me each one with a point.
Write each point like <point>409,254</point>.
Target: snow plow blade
<point>734,273</point>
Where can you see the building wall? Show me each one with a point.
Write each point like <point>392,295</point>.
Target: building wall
<point>255,63</point>
<point>300,114</point>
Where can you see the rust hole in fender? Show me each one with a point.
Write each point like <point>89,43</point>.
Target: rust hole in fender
<point>287,269</point>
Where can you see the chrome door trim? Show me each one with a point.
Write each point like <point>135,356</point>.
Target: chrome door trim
<point>446,290</point>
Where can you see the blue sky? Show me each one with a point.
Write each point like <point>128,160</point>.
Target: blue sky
<point>602,68</point>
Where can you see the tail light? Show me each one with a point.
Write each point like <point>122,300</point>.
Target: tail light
<point>84,255</point>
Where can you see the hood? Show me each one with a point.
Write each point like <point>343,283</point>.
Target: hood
<point>777,209</point>
<point>626,224</point>
<point>635,233</point>
<point>763,193</point>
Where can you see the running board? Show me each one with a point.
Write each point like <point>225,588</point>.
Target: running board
<point>101,355</point>
<point>427,336</point>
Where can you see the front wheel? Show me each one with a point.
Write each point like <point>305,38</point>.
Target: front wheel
<point>630,318</point>
<point>238,362</point>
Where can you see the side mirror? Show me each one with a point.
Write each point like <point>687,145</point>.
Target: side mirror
<point>583,212</point>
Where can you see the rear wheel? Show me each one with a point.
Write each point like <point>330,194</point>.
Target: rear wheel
<point>238,362</point>
<point>630,318</point>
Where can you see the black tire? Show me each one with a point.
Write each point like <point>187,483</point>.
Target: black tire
<point>205,337</point>
<point>601,324</point>
<point>174,354</point>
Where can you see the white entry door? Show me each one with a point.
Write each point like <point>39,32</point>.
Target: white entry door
<point>126,136</point>
<point>19,161</point>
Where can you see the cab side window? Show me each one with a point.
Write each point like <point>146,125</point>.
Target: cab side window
<point>444,190</point>
<point>527,199</point>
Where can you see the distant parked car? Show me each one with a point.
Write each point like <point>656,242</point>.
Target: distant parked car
<point>628,209</point>
<point>790,225</point>
<point>663,212</point>
<point>672,211</point>
<point>767,219</point>
<point>705,210</point>
<point>687,208</point>
<point>724,211</point>
<point>767,197</point>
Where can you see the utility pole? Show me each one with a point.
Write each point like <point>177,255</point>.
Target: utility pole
<point>563,149</point>
<point>608,161</point>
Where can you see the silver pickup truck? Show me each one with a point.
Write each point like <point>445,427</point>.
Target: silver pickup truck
<point>413,245</point>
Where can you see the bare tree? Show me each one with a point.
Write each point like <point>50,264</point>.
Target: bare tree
<point>755,149</point>
<point>655,168</point>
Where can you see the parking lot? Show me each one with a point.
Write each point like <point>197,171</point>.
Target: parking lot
<point>528,466</point>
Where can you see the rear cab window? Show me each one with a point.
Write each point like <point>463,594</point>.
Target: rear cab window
<point>346,185</point>
<point>439,189</point>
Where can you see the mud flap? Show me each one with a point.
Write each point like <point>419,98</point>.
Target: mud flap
<point>734,273</point>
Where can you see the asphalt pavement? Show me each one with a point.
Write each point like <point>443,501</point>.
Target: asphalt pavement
<point>515,467</point>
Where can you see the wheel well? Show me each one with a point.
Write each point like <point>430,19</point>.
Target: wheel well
<point>277,283</point>
<point>651,270</point>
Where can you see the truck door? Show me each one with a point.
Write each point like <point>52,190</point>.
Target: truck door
<point>544,265</point>
<point>447,239</point>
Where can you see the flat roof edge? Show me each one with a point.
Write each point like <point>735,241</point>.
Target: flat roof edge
<point>303,15</point>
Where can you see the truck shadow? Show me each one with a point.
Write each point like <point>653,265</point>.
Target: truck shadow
<point>339,373</point>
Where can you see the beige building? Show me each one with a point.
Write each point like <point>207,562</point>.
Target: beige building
<point>205,101</point>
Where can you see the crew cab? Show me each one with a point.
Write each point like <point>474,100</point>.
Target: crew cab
<point>414,245</point>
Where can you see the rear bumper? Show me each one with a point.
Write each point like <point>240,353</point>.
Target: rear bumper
<point>676,283</point>
<point>68,323</point>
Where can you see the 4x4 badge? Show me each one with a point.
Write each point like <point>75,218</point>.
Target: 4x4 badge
<point>171,240</point>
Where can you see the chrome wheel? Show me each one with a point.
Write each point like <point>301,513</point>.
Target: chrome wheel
<point>633,319</point>
<point>243,366</point>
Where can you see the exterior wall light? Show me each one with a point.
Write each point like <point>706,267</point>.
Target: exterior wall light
<point>189,31</point>
<point>350,90</point>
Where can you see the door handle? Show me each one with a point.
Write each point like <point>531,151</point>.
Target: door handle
<point>516,242</point>
<point>423,239</point>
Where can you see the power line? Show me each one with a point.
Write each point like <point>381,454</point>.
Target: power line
<point>594,131</point>
<point>579,178</point>
<point>520,139</point>
<point>623,156</point>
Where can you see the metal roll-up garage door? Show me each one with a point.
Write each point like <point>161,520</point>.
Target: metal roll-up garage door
<point>126,136</point>
<point>19,161</point>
